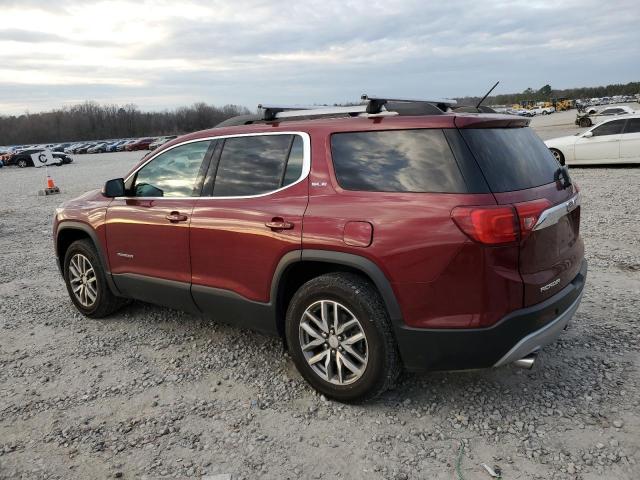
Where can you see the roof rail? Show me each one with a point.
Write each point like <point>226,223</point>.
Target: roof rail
<point>372,105</point>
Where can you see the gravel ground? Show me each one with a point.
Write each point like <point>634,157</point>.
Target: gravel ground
<point>156,393</point>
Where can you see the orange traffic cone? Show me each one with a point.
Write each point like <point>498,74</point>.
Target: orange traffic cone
<point>51,188</point>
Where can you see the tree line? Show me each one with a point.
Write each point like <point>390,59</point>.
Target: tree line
<point>92,121</point>
<point>547,93</point>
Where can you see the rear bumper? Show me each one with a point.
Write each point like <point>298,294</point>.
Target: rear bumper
<point>515,336</point>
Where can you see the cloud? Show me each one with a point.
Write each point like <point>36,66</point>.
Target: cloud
<point>162,54</point>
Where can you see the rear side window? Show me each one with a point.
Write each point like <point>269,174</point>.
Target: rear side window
<point>396,161</point>
<point>633,126</point>
<point>511,158</point>
<point>258,164</point>
<point>610,128</point>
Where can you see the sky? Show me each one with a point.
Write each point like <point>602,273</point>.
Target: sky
<point>160,54</point>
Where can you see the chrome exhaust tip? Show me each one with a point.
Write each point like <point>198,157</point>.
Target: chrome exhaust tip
<point>526,362</point>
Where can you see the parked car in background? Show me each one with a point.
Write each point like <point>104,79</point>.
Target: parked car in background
<point>542,110</point>
<point>522,112</point>
<point>60,147</point>
<point>123,146</point>
<point>98,148</point>
<point>85,148</point>
<point>140,144</point>
<point>161,141</point>
<point>75,147</point>
<point>113,147</point>
<point>23,158</point>
<point>593,116</point>
<point>616,140</point>
<point>426,241</point>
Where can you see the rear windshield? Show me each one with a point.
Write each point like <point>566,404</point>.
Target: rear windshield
<point>396,161</point>
<point>511,158</point>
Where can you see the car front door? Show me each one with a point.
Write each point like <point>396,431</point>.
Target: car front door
<point>249,217</point>
<point>147,231</point>
<point>630,142</point>
<point>603,146</point>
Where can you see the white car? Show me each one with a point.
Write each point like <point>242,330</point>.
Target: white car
<point>542,110</point>
<point>616,140</point>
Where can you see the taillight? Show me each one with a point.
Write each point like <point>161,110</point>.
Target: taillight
<point>499,224</point>
<point>529,213</point>
<point>492,225</point>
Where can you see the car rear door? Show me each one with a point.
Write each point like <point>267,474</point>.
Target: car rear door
<point>256,195</point>
<point>148,230</point>
<point>603,146</point>
<point>522,172</point>
<point>630,142</point>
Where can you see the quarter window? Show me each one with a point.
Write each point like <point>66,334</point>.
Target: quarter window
<point>633,126</point>
<point>610,128</point>
<point>256,165</point>
<point>172,173</point>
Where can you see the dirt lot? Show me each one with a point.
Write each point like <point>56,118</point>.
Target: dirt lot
<point>156,393</point>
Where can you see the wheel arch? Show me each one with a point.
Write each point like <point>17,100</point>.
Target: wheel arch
<point>71,231</point>
<point>298,267</point>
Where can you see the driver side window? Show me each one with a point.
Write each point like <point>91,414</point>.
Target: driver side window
<point>610,128</point>
<point>172,173</point>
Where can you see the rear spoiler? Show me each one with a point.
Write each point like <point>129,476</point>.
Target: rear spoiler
<point>490,121</point>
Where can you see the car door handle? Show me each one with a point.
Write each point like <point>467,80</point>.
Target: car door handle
<point>278,223</point>
<point>175,217</point>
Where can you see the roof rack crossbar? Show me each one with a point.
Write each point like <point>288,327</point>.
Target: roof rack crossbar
<point>444,101</point>
<point>274,112</point>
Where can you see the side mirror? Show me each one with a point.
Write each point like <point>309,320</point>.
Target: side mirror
<point>588,134</point>
<point>113,188</point>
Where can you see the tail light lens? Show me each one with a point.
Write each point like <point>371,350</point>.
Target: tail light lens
<point>492,225</point>
<point>529,214</point>
<point>499,224</point>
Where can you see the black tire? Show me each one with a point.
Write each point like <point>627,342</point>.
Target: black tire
<point>106,302</point>
<point>559,156</point>
<point>22,163</point>
<point>362,299</point>
<point>585,122</point>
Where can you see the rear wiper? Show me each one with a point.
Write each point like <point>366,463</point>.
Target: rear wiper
<point>562,177</point>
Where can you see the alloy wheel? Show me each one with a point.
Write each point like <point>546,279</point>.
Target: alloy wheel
<point>82,278</point>
<point>333,342</point>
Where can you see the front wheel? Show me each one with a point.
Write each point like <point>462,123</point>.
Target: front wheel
<point>340,337</point>
<point>585,122</point>
<point>86,281</point>
<point>22,163</point>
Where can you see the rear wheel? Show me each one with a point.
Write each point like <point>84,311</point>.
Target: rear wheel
<point>340,337</point>
<point>558,155</point>
<point>22,163</point>
<point>86,281</point>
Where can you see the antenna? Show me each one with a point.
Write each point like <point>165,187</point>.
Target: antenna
<point>487,94</point>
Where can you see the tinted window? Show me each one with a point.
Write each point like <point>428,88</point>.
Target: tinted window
<point>173,173</point>
<point>255,165</point>
<point>633,126</point>
<point>511,158</point>
<point>610,128</point>
<point>294,164</point>
<point>396,161</point>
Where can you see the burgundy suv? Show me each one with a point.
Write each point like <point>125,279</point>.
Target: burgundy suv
<point>372,238</point>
